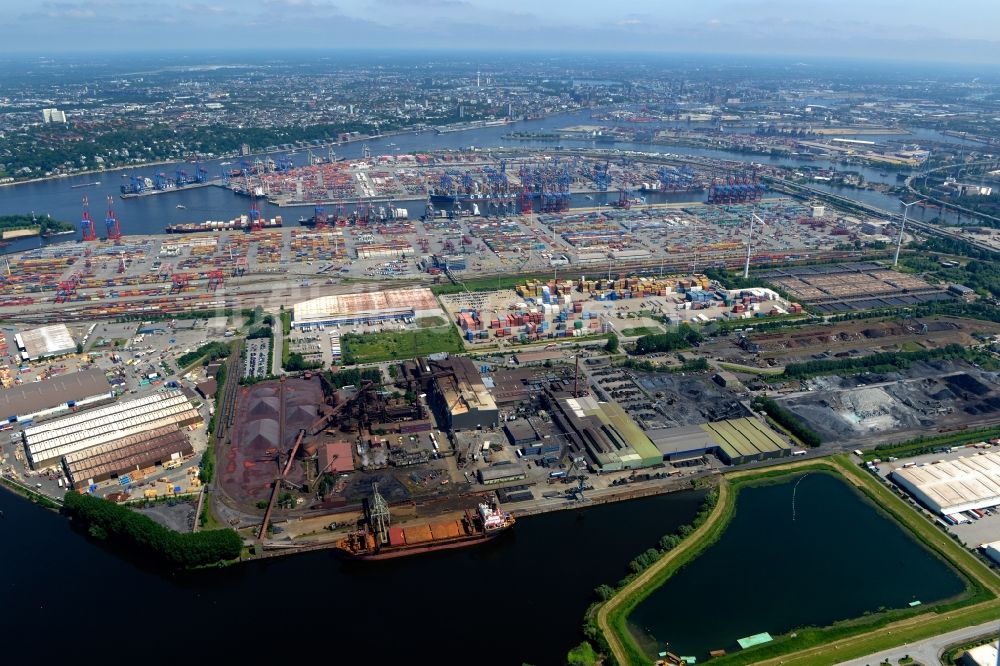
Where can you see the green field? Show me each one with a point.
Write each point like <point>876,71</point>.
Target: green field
<point>431,322</point>
<point>815,646</point>
<point>640,331</point>
<point>375,347</point>
<point>487,284</point>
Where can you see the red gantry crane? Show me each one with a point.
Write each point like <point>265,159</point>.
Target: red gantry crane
<point>87,224</point>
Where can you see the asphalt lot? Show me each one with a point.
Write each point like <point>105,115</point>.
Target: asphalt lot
<point>255,361</point>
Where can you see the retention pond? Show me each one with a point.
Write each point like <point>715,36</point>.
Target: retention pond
<point>808,550</point>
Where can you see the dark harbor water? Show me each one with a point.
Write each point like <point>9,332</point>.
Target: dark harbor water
<point>809,551</point>
<point>518,600</point>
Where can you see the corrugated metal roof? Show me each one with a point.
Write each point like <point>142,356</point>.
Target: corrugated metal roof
<point>128,453</point>
<point>953,483</point>
<point>38,396</point>
<point>46,341</point>
<point>395,300</point>
<point>83,430</point>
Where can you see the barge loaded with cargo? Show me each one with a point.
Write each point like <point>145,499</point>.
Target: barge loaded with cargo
<point>376,540</point>
<point>240,223</point>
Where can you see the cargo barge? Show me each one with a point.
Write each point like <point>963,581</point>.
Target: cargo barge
<point>242,223</point>
<point>376,540</point>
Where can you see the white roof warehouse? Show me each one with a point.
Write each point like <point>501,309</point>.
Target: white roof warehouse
<point>953,486</point>
<point>46,341</point>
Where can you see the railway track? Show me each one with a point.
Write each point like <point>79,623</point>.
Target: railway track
<point>226,414</point>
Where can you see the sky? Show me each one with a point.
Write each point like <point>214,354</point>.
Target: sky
<point>919,30</point>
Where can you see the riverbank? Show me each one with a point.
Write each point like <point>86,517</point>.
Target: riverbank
<point>29,494</point>
<point>260,153</point>
<point>842,640</point>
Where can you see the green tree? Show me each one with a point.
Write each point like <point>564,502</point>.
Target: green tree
<point>612,346</point>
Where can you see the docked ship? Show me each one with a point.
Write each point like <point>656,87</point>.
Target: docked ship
<point>440,197</point>
<point>377,540</point>
<point>241,223</point>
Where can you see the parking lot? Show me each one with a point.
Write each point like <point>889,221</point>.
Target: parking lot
<point>256,364</point>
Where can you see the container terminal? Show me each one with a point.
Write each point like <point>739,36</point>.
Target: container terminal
<point>121,274</point>
<point>494,182</point>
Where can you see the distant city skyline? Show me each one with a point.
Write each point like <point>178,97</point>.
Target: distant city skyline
<point>919,30</point>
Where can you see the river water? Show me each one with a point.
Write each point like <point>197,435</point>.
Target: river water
<point>519,599</point>
<point>149,215</point>
<point>808,551</point>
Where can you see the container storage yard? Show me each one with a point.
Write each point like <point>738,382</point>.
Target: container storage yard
<point>574,308</point>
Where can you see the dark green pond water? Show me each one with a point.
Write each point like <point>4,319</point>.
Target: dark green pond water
<point>806,552</point>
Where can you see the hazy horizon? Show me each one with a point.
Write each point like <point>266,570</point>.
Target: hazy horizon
<point>892,30</point>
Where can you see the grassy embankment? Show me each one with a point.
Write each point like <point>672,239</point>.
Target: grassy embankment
<point>845,640</point>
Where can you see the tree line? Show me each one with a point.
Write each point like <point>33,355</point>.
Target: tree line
<point>210,350</point>
<point>683,338</point>
<point>120,525</point>
<point>789,421</point>
<point>880,362</point>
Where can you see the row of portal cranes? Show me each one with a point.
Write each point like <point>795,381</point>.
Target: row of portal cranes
<point>259,166</point>
<point>736,188</point>
<point>113,228</point>
<point>161,181</point>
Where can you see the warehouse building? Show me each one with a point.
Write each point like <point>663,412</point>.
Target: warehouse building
<point>602,431</point>
<point>733,441</point>
<point>520,432</point>
<point>45,342</point>
<point>47,443</point>
<point>683,443</point>
<point>954,486</point>
<point>502,473</point>
<point>992,551</point>
<point>460,394</point>
<point>741,441</point>
<point>125,455</point>
<point>38,400</point>
<point>364,308</point>
<point>982,655</point>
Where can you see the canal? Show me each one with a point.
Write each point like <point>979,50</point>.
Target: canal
<point>520,599</point>
<point>808,551</point>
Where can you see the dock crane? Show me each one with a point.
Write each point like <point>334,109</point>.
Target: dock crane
<point>86,223</point>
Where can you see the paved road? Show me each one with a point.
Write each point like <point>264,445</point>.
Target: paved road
<point>927,652</point>
<point>278,344</point>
